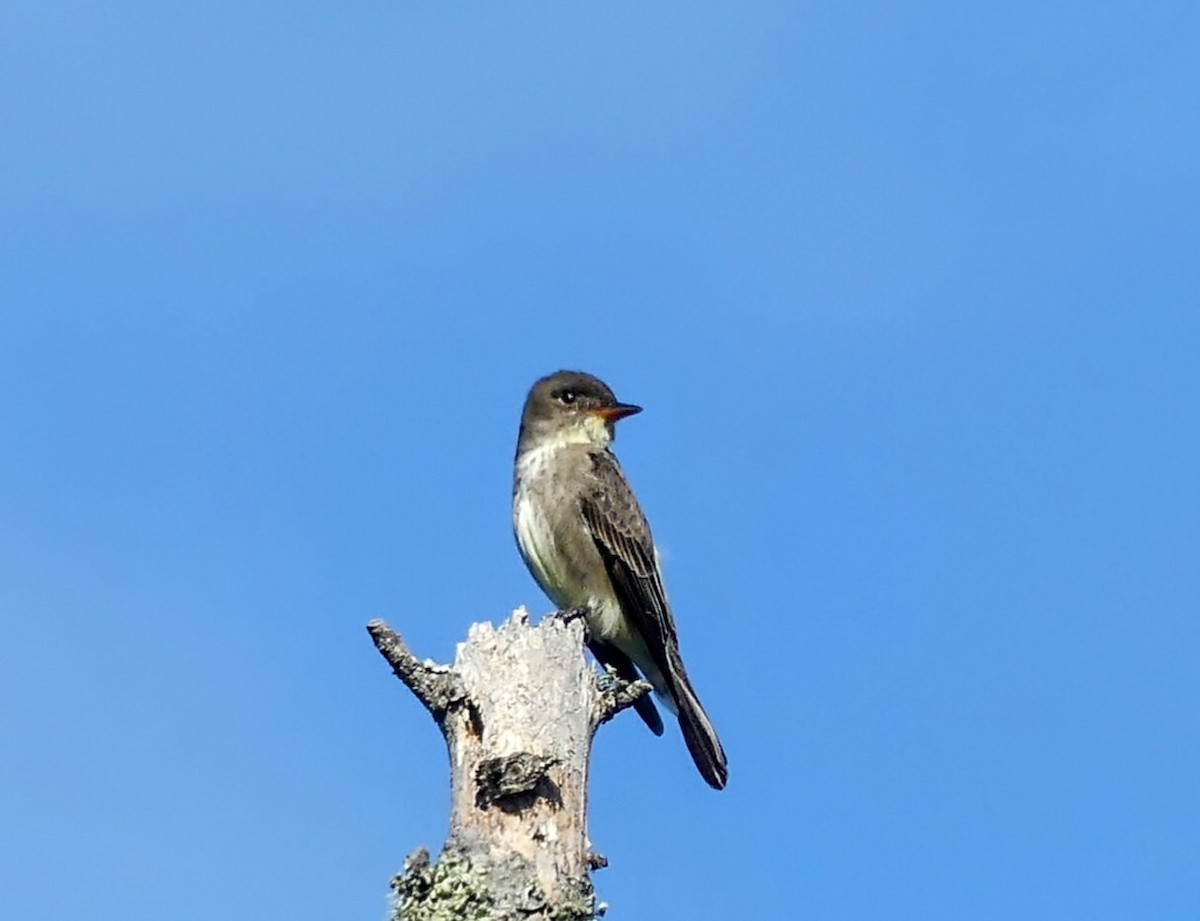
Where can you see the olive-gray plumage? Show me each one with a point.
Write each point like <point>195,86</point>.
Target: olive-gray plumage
<point>587,543</point>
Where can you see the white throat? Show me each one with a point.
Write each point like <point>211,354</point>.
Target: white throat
<point>586,430</point>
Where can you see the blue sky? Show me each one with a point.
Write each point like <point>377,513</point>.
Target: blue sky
<point>910,294</point>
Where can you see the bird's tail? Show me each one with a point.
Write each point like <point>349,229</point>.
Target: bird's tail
<point>698,731</point>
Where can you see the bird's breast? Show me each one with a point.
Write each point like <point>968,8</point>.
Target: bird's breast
<point>551,532</point>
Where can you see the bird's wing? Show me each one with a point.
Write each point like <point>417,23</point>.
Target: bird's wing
<point>622,536</point>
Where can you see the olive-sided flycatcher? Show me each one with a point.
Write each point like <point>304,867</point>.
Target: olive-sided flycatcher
<point>586,541</point>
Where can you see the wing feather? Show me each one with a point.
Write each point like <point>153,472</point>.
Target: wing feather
<point>622,535</point>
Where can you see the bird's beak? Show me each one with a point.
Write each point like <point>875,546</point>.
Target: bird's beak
<point>616,411</point>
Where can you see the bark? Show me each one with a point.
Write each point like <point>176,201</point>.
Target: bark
<point>518,710</point>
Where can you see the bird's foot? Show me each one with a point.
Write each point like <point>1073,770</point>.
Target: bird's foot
<point>570,614</point>
<point>581,612</point>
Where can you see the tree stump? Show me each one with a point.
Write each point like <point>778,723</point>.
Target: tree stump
<point>518,710</point>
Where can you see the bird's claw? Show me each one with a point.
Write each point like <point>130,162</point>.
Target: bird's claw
<point>581,612</point>
<point>570,614</point>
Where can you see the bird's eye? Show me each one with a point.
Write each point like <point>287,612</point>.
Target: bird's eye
<point>567,396</point>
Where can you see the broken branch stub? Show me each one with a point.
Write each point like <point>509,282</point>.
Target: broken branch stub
<point>518,709</point>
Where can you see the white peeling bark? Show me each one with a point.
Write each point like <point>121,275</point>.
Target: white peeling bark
<point>518,710</point>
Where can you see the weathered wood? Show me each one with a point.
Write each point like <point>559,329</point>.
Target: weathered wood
<point>518,710</point>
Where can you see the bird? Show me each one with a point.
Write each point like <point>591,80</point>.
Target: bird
<point>586,541</point>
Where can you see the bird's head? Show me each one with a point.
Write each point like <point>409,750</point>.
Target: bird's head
<point>572,407</point>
